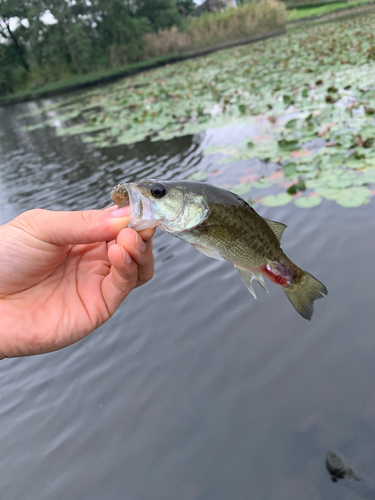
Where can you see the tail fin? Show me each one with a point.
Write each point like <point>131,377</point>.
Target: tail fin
<point>303,294</point>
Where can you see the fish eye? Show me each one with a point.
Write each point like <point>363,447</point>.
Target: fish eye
<point>158,190</point>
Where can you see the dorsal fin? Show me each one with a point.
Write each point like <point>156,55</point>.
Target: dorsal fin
<point>277,227</point>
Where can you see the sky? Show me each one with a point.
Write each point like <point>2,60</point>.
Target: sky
<point>48,18</point>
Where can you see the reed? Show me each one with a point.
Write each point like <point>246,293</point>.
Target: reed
<point>210,29</point>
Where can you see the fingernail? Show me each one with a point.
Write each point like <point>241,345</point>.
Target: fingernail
<point>125,256</point>
<point>141,245</point>
<point>121,212</point>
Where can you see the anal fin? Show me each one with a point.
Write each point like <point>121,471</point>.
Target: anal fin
<point>248,277</point>
<point>259,278</point>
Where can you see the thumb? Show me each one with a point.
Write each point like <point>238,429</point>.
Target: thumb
<point>73,228</point>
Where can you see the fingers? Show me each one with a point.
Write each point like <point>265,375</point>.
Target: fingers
<point>70,228</point>
<point>110,243</point>
<point>140,251</point>
<point>147,234</point>
<point>133,265</point>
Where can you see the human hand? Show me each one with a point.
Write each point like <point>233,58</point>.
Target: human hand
<point>62,275</point>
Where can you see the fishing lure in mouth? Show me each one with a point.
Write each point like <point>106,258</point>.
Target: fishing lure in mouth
<point>223,226</point>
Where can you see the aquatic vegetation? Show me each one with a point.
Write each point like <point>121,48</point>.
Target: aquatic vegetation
<point>320,9</point>
<point>311,94</point>
<point>325,154</point>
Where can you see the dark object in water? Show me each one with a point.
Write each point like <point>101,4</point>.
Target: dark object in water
<point>337,469</point>
<point>363,486</point>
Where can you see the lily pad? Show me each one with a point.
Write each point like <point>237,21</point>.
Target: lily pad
<point>354,197</point>
<point>339,183</point>
<point>355,164</point>
<point>198,176</point>
<point>308,201</point>
<point>262,183</point>
<point>276,200</point>
<point>290,170</point>
<point>241,189</point>
<point>288,100</point>
<point>286,145</point>
<point>291,123</point>
<point>367,132</point>
<point>368,178</point>
<point>37,126</point>
<point>328,193</point>
<point>327,140</point>
<point>225,160</point>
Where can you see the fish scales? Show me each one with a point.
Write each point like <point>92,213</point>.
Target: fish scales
<point>237,232</point>
<point>221,225</point>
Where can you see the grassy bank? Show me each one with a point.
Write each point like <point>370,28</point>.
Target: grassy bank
<point>167,45</point>
<point>210,29</point>
<point>84,80</point>
<point>309,4</point>
<point>170,46</point>
<point>99,78</point>
<point>300,14</point>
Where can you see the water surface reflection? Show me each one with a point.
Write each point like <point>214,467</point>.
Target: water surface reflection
<point>192,390</point>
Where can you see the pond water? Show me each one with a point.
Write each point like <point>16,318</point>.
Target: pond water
<point>193,390</point>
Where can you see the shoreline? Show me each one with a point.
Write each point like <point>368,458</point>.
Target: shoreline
<point>144,66</point>
<point>137,68</point>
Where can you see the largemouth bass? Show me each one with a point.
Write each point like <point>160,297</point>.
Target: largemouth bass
<point>221,225</point>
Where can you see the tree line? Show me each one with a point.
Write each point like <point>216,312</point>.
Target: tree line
<point>47,40</point>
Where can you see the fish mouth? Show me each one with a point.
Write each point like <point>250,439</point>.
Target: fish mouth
<point>141,210</point>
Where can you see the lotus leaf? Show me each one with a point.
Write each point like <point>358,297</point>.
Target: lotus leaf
<point>328,193</point>
<point>276,200</point>
<point>290,170</point>
<point>339,183</point>
<point>308,94</point>
<point>367,132</point>
<point>241,189</point>
<point>354,197</point>
<point>368,177</point>
<point>308,201</point>
<point>198,176</point>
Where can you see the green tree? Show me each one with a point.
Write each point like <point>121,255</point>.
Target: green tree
<point>87,35</point>
<point>70,31</point>
<point>162,14</point>
<point>13,9</point>
<point>120,30</point>
<point>186,7</point>
<point>12,74</point>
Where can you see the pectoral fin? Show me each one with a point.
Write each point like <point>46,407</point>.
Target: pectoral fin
<point>209,252</point>
<point>248,277</point>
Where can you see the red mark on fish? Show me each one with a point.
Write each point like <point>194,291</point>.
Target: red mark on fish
<point>276,273</point>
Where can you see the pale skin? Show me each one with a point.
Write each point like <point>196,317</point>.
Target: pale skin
<point>64,274</point>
